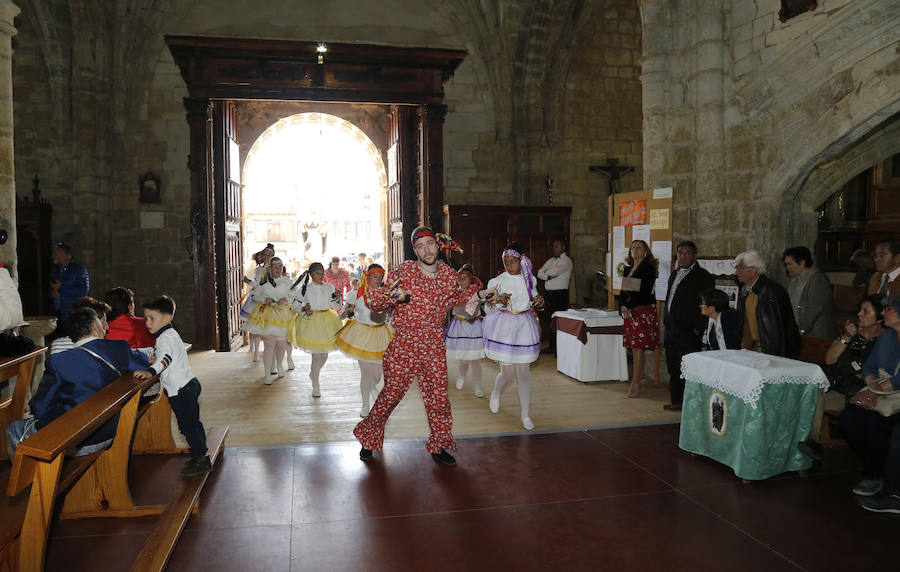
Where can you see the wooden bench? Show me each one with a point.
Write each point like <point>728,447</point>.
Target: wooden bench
<point>11,408</point>
<point>41,472</point>
<point>813,351</point>
<point>159,546</point>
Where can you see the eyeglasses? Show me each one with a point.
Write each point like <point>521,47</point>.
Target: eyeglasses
<point>740,268</point>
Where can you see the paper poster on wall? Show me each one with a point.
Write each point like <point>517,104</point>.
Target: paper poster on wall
<point>640,232</point>
<point>608,263</point>
<point>732,292</point>
<point>659,219</point>
<point>717,267</point>
<point>618,237</point>
<point>662,251</point>
<point>633,212</point>
<point>662,193</point>
<point>618,267</point>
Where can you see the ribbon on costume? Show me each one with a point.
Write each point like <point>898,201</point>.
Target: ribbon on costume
<point>447,241</point>
<point>364,282</point>
<point>526,268</point>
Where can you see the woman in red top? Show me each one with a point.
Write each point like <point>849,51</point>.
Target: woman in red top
<point>123,324</point>
<point>337,276</point>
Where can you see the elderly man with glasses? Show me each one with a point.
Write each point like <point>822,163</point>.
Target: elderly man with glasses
<point>765,308</point>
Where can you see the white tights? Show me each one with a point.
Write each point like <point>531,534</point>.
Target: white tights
<point>254,346</point>
<point>369,374</point>
<point>318,362</point>
<point>521,372</point>
<point>475,364</point>
<point>273,353</point>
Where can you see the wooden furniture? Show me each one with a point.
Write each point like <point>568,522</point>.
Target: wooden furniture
<point>94,485</point>
<point>483,231</point>
<point>22,368</point>
<point>33,248</point>
<point>159,546</point>
<point>813,350</point>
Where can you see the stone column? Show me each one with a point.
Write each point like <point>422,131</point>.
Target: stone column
<point>8,258</point>
<point>656,78</point>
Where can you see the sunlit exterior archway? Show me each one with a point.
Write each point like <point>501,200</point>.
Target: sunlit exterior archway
<point>315,187</point>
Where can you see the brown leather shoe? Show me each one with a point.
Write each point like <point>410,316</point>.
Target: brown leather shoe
<point>672,407</point>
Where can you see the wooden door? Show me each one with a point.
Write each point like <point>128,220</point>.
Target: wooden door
<point>229,255</point>
<point>404,182</point>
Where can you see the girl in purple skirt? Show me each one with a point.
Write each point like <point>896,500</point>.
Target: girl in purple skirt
<point>463,336</point>
<point>512,336</point>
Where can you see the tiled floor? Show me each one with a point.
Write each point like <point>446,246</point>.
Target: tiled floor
<point>609,499</point>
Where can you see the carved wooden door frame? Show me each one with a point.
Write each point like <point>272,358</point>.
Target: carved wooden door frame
<point>236,68</point>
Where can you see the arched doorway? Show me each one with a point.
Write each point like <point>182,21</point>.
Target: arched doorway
<point>314,186</point>
<point>218,71</point>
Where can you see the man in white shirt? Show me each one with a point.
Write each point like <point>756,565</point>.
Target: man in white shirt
<point>556,273</point>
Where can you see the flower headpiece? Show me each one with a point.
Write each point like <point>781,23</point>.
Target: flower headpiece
<point>526,268</point>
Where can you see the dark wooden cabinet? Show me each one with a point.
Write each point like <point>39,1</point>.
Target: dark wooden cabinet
<point>483,231</point>
<point>33,248</point>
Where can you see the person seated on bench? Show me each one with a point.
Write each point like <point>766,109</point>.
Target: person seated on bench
<point>66,341</point>
<point>180,384</point>
<point>123,324</point>
<point>844,361</point>
<point>723,330</point>
<point>75,375</point>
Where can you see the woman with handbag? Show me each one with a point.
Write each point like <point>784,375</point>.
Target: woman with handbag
<point>872,412</point>
<point>641,328</point>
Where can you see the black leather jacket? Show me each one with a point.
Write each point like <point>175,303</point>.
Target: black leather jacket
<point>778,332</point>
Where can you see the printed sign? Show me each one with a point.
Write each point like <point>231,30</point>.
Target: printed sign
<point>633,212</point>
<point>659,219</point>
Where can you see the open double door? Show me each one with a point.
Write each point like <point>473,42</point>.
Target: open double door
<point>219,71</point>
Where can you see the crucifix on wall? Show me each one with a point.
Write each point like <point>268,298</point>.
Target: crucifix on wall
<point>612,171</point>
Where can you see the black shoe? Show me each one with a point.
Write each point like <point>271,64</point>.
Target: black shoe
<point>197,466</point>
<point>365,454</point>
<point>444,457</point>
<point>811,449</point>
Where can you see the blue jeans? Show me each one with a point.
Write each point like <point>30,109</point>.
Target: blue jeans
<point>21,429</point>
<point>187,412</point>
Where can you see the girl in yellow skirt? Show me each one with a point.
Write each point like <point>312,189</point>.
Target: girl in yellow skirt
<point>272,316</point>
<point>317,321</point>
<point>366,336</point>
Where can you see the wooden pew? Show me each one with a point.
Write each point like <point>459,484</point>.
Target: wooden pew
<point>159,546</point>
<point>153,434</point>
<point>40,471</point>
<point>11,408</point>
<point>813,351</point>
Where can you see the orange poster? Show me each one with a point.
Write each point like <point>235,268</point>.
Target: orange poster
<point>633,212</point>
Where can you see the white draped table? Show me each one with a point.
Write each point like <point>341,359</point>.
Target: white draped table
<point>589,345</point>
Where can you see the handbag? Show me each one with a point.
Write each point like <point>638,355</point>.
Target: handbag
<point>886,403</point>
<point>631,284</point>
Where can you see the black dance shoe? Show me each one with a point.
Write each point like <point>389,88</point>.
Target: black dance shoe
<point>444,457</point>
<point>365,454</point>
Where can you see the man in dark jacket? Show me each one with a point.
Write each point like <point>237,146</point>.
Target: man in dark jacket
<point>765,307</point>
<point>76,374</point>
<point>684,325</point>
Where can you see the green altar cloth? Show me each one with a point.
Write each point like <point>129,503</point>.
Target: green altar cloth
<point>757,443</point>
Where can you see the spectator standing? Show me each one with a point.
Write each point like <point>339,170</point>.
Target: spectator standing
<point>69,280</point>
<point>811,293</point>
<point>556,274</point>
<point>765,308</point>
<point>684,323</point>
<point>641,328</point>
<point>337,276</point>
<point>887,264</point>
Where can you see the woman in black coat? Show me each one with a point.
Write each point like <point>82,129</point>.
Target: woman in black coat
<point>641,328</point>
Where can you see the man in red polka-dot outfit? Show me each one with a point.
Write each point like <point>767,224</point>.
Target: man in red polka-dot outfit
<point>427,288</point>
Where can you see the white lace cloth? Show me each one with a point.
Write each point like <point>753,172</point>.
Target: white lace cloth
<point>743,373</point>
<point>592,317</point>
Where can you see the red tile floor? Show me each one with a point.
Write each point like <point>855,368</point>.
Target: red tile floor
<point>608,499</point>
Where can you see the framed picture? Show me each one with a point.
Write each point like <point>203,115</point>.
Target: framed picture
<point>150,188</point>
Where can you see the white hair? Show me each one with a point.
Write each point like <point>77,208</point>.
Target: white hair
<point>752,259</point>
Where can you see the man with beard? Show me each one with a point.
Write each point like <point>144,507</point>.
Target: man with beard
<point>418,293</point>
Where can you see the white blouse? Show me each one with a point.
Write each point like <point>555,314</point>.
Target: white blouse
<point>282,289</point>
<point>506,283</point>
<point>318,296</point>
<point>362,313</point>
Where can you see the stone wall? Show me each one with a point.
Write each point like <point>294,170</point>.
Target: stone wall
<point>740,109</point>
